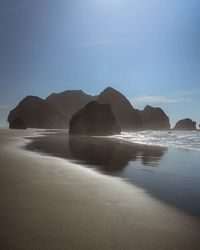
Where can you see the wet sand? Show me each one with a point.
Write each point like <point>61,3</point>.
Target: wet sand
<point>51,203</point>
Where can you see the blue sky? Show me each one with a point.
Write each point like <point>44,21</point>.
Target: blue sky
<point>148,50</point>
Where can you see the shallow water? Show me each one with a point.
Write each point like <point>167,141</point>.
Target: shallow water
<point>171,174</point>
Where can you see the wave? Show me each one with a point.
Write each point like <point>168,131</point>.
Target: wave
<point>175,139</point>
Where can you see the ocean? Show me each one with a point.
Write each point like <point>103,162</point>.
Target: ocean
<point>172,139</point>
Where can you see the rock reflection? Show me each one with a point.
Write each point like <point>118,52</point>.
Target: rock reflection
<point>107,155</point>
<point>151,155</point>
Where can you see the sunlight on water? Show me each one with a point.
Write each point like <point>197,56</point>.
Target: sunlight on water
<point>183,139</point>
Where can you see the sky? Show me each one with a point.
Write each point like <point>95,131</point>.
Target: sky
<point>149,50</point>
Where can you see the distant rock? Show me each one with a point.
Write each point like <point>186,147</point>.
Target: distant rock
<point>94,119</point>
<point>154,119</point>
<point>17,123</point>
<point>127,117</point>
<point>70,101</point>
<point>36,113</point>
<point>185,124</point>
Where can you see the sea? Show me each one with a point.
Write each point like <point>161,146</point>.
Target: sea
<point>165,164</point>
<point>172,139</point>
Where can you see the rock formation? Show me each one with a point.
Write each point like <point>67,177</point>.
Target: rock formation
<point>185,124</point>
<point>154,119</point>
<point>17,123</point>
<point>70,101</point>
<point>57,110</point>
<point>36,113</point>
<point>94,119</point>
<point>127,117</point>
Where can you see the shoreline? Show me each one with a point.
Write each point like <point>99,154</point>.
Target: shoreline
<point>168,174</point>
<point>51,203</point>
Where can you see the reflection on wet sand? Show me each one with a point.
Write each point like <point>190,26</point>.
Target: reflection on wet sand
<point>108,155</point>
<point>112,156</point>
<point>142,165</point>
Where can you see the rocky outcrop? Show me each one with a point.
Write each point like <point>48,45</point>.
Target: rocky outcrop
<point>70,101</point>
<point>154,119</point>
<point>185,124</point>
<point>57,110</point>
<point>17,123</point>
<point>36,113</point>
<point>127,117</point>
<point>94,119</point>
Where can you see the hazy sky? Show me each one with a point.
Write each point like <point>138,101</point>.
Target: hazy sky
<point>147,49</point>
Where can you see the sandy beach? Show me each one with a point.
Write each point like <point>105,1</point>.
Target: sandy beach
<point>51,203</point>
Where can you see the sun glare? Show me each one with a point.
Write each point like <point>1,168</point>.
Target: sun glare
<point>108,3</point>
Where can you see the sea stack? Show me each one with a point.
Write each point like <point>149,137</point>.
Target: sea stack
<point>17,123</point>
<point>70,101</point>
<point>94,119</point>
<point>127,117</point>
<point>185,124</point>
<point>154,119</point>
<point>35,112</point>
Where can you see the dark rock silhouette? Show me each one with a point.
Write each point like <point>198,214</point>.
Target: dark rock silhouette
<point>127,117</point>
<point>154,119</point>
<point>70,101</point>
<point>37,113</point>
<point>94,119</point>
<point>17,123</point>
<point>57,110</point>
<point>185,124</point>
